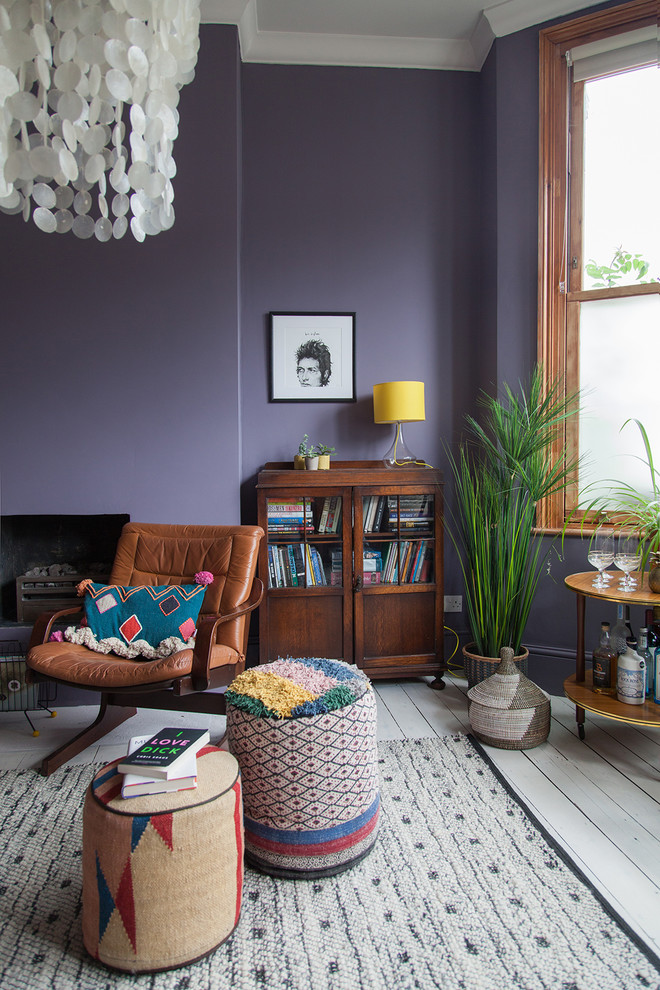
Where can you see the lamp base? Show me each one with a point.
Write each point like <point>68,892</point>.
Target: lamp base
<point>399,454</point>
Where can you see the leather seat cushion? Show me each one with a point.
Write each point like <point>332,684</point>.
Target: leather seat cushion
<point>76,664</point>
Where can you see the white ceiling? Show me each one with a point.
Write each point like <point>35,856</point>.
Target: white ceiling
<point>419,34</point>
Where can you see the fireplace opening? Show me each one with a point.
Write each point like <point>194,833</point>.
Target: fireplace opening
<point>62,549</point>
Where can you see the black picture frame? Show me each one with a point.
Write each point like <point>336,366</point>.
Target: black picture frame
<point>312,357</point>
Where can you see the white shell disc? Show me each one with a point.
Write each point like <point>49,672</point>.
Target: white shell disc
<point>45,220</point>
<point>83,226</point>
<point>119,84</point>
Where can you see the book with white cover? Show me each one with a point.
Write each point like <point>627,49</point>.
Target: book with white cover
<point>135,784</point>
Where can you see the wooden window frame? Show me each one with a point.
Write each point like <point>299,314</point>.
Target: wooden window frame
<point>560,289</point>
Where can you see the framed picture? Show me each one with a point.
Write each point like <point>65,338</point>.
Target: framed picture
<point>312,357</point>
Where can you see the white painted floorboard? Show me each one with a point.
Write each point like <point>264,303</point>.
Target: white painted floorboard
<point>599,798</point>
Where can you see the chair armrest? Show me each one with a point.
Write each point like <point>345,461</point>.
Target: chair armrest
<point>206,634</point>
<point>44,624</point>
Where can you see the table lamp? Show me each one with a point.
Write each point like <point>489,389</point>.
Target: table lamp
<point>399,402</point>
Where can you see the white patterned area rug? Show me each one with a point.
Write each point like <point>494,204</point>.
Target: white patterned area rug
<point>462,891</point>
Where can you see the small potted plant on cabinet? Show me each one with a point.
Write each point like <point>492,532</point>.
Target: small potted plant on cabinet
<point>504,466</point>
<point>325,454</point>
<point>299,458</point>
<point>312,458</point>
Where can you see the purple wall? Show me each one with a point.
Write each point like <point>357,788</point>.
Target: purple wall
<point>118,380</point>
<point>134,377</point>
<point>360,194</point>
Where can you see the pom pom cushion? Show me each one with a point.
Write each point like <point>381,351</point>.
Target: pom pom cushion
<point>141,621</point>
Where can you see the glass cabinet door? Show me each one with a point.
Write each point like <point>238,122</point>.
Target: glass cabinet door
<point>398,539</point>
<point>302,552</point>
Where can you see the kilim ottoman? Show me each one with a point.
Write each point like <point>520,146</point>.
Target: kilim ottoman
<point>163,873</point>
<point>304,734</point>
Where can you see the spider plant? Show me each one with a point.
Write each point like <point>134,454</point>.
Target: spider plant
<point>505,464</point>
<point>629,509</point>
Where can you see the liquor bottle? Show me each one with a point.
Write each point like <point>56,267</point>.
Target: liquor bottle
<point>653,625</point>
<point>604,663</point>
<point>621,630</point>
<point>647,656</point>
<point>631,676</point>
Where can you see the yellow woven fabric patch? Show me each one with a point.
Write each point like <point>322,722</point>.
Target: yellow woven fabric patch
<point>277,693</point>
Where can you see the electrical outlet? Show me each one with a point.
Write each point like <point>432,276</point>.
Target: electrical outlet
<point>453,603</point>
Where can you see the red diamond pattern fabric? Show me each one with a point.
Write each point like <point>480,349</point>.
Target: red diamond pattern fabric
<point>130,628</point>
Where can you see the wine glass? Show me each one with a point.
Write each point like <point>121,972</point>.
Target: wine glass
<point>627,558</point>
<point>604,543</point>
<point>601,555</point>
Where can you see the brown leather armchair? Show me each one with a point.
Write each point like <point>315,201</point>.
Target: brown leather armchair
<point>158,554</point>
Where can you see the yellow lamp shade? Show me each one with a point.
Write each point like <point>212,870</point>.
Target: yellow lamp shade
<point>399,402</point>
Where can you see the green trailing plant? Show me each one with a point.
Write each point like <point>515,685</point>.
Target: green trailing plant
<point>626,508</point>
<point>322,448</point>
<point>620,267</point>
<point>504,466</point>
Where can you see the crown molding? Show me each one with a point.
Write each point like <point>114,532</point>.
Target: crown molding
<point>306,48</point>
<point>481,41</point>
<point>312,48</point>
<point>515,15</point>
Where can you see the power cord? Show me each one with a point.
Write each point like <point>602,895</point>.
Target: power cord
<point>457,669</point>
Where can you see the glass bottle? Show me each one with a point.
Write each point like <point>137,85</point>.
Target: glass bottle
<point>621,631</point>
<point>604,659</point>
<point>653,624</point>
<point>631,675</point>
<point>647,656</point>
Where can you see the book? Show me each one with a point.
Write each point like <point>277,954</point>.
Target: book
<point>324,514</point>
<point>271,568</point>
<point>298,549</point>
<point>317,565</point>
<point>135,784</point>
<point>371,577</point>
<point>292,566</point>
<point>162,754</point>
<point>379,514</point>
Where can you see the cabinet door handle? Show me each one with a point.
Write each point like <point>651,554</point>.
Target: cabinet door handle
<point>357,584</point>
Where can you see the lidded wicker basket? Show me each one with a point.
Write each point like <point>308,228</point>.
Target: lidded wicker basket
<point>507,710</point>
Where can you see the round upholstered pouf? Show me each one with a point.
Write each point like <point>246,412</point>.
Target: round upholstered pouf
<point>162,874</point>
<point>304,735</point>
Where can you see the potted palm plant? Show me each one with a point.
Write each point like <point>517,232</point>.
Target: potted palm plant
<point>635,511</point>
<point>504,465</point>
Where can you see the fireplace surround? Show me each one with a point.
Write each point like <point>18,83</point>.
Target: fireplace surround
<point>84,542</point>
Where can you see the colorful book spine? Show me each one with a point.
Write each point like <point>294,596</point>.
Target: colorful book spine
<point>292,566</point>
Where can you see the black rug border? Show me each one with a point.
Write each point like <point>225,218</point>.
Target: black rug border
<point>565,857</point>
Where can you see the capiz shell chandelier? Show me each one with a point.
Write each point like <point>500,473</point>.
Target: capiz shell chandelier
<point>73,75</point>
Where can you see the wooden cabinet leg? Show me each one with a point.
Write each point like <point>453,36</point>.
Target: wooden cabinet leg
<point>579,654</point>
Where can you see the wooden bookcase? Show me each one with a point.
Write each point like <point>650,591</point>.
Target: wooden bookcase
<point>353,566</point>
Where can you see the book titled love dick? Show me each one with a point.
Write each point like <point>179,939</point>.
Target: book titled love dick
<point>137,784</point>
<point>163,753</point>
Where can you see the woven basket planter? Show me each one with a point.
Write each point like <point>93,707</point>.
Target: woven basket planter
<point>310,782</point>
<point>507,710</point>
<point>478,668</point>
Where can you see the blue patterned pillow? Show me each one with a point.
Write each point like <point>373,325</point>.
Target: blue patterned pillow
<point>150,614</point>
